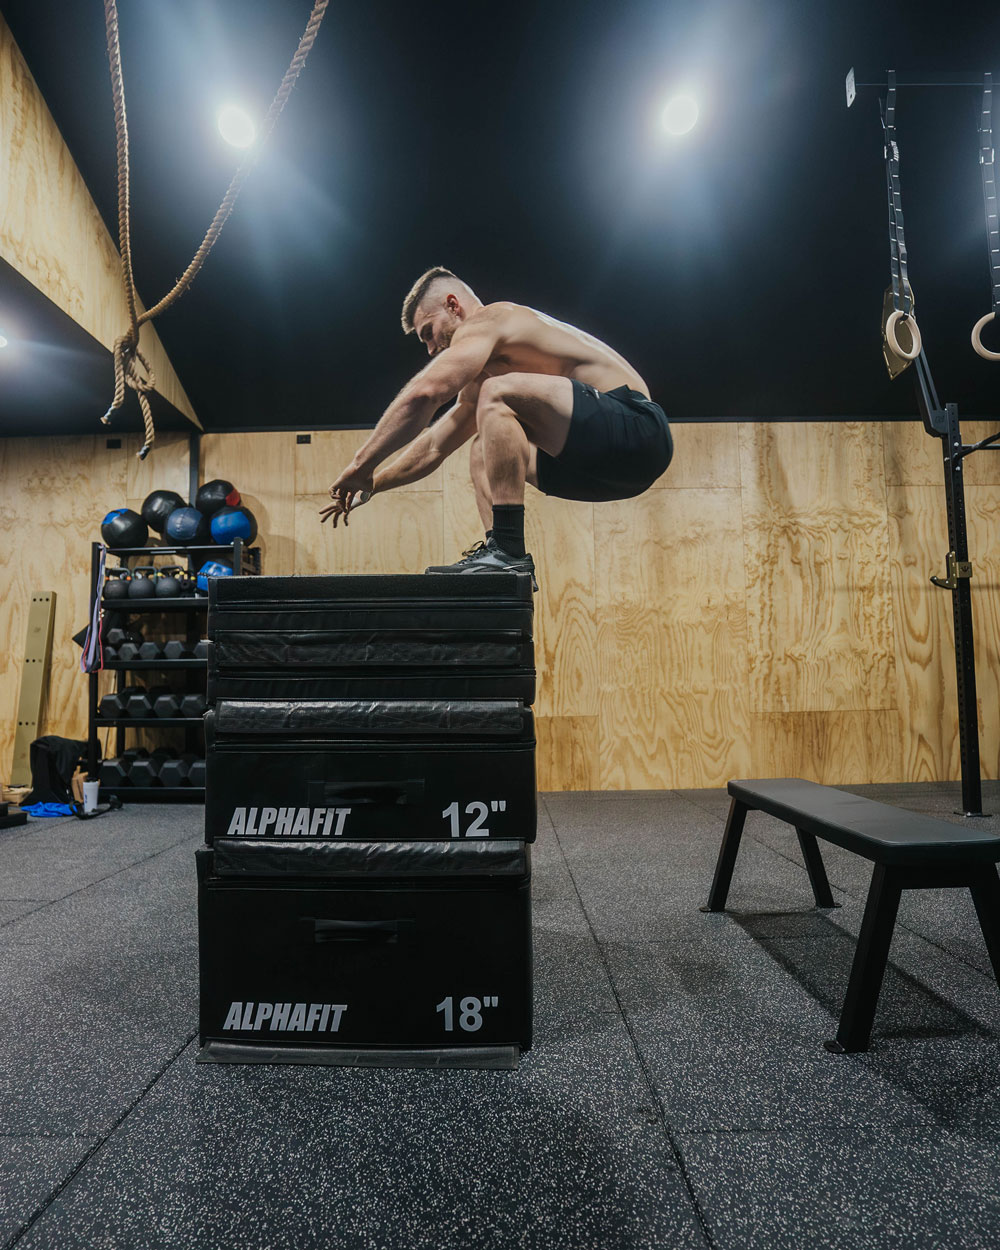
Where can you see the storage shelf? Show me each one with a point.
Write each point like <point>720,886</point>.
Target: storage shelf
<point>180,604</point>
<point>124,665</point>
<point>125,721</point>
<point>194,794</point>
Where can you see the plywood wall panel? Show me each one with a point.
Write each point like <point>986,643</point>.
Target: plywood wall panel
<point>568,752</point>
<point>398,532</point>
<point>50,229</point>
<point>913,457</point>
<point>983,515</point>
<point>262,468</point>
<point>706,455</point>
<point>671,640</point>
<point>833,748</point>
<point>55,494</point>
<point>642,619</point>
<point>926,693</point>
<point>819,601</point>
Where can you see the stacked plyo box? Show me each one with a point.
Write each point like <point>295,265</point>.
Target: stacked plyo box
<point>364,891</point>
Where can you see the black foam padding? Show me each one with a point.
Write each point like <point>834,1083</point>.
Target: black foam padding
<point>369,682</point>
<point>419,647</point>
<point>493,586</point>
<point>351,861</point>
<point>371,718</point>
<point>886,835</point>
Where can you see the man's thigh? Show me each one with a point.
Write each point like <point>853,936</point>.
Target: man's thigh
<point>542,404</point>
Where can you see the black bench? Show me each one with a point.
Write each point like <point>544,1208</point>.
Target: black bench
<point>910,852</point>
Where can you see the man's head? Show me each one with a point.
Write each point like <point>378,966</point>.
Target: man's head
<point>437,304</point>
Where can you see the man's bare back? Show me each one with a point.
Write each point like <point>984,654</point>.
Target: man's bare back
<point>529,341</point>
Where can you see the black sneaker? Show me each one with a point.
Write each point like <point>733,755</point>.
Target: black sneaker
<point>488,557</point>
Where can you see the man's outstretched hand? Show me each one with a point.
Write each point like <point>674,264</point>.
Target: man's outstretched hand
<point>350,490</point>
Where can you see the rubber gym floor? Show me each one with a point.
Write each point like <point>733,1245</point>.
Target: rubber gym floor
<point>677,1095</point>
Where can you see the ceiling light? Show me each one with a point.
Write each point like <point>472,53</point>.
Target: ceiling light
<point>3,341</point>
<point>680,115</point>
<point>236,126</point>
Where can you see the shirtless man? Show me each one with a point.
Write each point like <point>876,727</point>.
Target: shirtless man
<point>541,401</point>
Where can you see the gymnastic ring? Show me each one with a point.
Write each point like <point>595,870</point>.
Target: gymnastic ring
<point>977,343</point>
<point>890,333</point>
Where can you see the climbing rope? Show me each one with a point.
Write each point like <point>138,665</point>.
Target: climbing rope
<point>132,369</point>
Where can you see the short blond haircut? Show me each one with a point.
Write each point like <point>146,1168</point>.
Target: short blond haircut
<point>419,289</point>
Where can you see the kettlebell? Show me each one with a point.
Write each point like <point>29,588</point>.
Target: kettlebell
<point>143,583</point>
<point>116,582</point>
<point>188,581</point>
<point>167,584</point>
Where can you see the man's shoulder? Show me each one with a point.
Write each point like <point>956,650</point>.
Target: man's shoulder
<point>494,314</point>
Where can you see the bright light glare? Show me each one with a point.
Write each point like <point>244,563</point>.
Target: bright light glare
<point>680,115</point>
<point>3,341</point>
<point>236,126</point>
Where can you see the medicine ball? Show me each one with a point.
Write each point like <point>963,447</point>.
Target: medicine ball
<point>186,526</point>
<point>212,568</point>
<point>158,506</point>
<point>124,528</point>
<point>232,523</point>
<point>215,495</point>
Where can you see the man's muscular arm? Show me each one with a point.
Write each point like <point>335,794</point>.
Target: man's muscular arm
<point>431,448</point>
<point>408,414</point>
<point>424,454</point>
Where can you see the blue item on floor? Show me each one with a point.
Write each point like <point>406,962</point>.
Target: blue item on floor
<point>48,809</point>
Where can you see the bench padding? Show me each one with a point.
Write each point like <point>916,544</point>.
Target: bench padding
<point>873,830</point>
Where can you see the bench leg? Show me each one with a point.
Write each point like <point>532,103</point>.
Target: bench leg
<point>814,867</point>
<point>986,896</point>
<point>727,857</point>
<point>870,958</point>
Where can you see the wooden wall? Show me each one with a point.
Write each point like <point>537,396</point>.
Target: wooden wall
<point>50,229</point>
<point>765,610</point>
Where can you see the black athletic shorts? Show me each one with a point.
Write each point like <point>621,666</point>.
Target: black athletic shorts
<point>619,443</point>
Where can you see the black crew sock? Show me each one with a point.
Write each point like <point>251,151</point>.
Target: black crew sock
<point>508,528</point>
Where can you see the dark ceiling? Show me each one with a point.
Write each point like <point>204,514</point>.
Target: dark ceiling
<point>741,269</point>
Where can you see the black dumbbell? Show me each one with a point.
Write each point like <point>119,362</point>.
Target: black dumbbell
<point>177,649</point>
<point>117,635</point>
<point>128,652</point>
<point>114,773</point>
<point>116,704</point>
<point>201,650</point>
<point>150,651</point>
<point>176,772</point>
<point>167,705</point>
<point>146,772</point>
<point>196,774</point>
<point>193,705</point>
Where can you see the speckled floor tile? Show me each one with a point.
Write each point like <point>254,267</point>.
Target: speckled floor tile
<point>565,1153</point>
<point>832,1188</point>
<point>31,1168</point>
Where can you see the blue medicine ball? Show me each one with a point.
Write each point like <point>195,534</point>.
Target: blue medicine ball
<point>186,525</point>
<point>212,568</point>
<point>231,523</point>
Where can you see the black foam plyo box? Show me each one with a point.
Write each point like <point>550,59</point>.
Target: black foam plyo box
<point>401,945</point>
<point>432,635</point>
<point>358,769</point>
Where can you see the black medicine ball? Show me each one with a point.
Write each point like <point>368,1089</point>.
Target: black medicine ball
<point>124,528</point>
<point>215,495</point>
<point>158,506</point>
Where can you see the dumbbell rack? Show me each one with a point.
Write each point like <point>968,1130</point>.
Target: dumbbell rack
<point>246,561</point>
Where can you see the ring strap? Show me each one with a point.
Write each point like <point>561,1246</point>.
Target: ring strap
<point>897,245</point>
<point>987,163</point>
